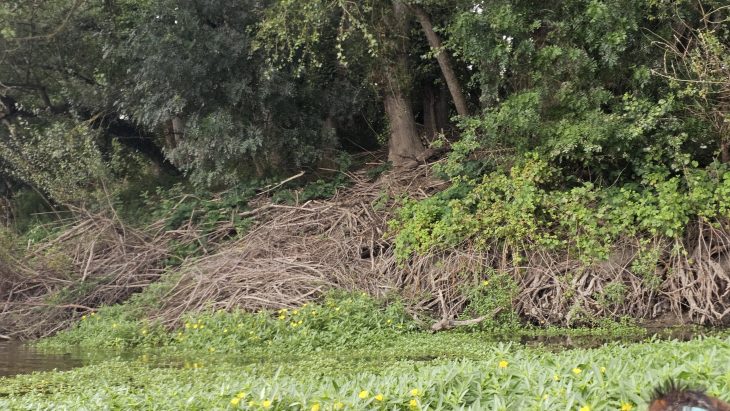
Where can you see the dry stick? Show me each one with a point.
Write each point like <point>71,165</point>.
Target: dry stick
<point>447,324</point>
<point>269,188</point>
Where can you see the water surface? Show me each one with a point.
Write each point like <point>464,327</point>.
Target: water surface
<point>17,358</point>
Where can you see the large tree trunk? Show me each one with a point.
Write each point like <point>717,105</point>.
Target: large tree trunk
<point>404,145</point>
<point>430,127</point>
<point>442,110</point>
<point>175,130</point>
<point>444,61</point>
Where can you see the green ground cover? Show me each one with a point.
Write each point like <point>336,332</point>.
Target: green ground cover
<point>490,375</point>
<point>352,352</point>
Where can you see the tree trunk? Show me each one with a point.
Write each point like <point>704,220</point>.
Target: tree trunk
<point>442,110</point>
<point>175,132</point>
<point>430,127</point>
<point>444,61</point>
<point>404,145</point>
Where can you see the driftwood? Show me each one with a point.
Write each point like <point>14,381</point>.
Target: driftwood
<point>4,337</point>
<point>448,323</point>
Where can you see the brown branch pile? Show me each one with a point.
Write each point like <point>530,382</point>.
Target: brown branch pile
<point>689,281</point>
<point>295,252</point>
<point>95,261</point>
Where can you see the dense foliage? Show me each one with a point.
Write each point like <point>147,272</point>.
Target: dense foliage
<point>222,91</point>
<point>587,141</point>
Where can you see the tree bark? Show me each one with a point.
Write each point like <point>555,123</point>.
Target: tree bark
<point>175,130</point>
<point>404,145</point>
<point>430,127</point>
<point>442,110</point>
<point>443,59</point>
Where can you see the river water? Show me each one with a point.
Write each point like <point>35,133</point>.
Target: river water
<point>17,358</point>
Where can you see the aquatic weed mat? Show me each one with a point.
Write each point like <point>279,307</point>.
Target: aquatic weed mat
<point>508,377</point>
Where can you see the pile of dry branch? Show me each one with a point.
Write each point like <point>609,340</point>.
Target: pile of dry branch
<point>294,253</point>
<point>96,260</point>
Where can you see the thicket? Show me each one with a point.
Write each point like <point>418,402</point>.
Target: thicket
<point>587,148</point>
<point>615,190</point>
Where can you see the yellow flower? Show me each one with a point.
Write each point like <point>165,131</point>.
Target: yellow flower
<point>585,408</point>
<point>413,404</point>
<point>337,308</point>
<point>556,377</point>
<point>187,325</point>
<point>315,407</point>
<point>577,371</point>
<point>114,325</point>
<point>503,364</point>
<point>545,397</point>
<point>235,401</point>
<point>240,395</point>
<point>93,314</point>
<point>195,326</point>
<point>225,330</point>
<point>282,316</point>
<point>252,403</point>
<point>144,332</point>
<point>379,397</point>
<point>603,370</point>
<point>295,312</point>
<point>211,349</point>
<point>267,404</point>
<point>83,317</point>
<point>389,321</point>
<point>363,394</point>
<point>338,405</point>
<point>626,406</point>
<point>415,392</point>
<point>485,283</point>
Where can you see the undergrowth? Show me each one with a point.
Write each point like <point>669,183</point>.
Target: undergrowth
<point>340,320</point>
<point>530,207</point>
